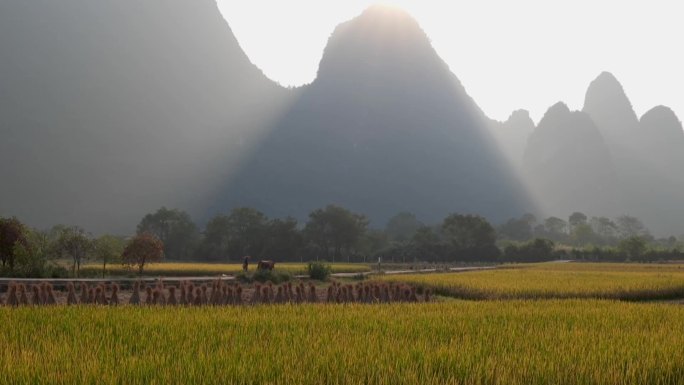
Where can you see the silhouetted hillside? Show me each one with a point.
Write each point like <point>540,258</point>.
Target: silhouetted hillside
<point>663,143</point>
<point>611,110</point>
<point>512,136</point>
<point>111,108</point>
<point>658,192</point>
<point>569,166</point>
<point>385,127</point>
<point>604,160</point>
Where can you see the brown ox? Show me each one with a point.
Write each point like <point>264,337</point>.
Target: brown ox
<point>265,265</point>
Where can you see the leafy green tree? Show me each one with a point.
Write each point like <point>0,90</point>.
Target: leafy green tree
<point>555,228</point>
<point>632,247</point>
<point>108,249</point>
<point>283,241</point>
<point>537,250</point>
<point>519,229</point>
<point>426,244</point>
<point>402,226</point>
<point>334,229</point>
<point>577,219</point>
<point>583,234</point>
<point>604,228</point>
<point>142,249</point>
<point>215,242</point>
<point>629,226</point>
<point>373,243</point>
<point>470,237</point>
<point>12,235</point>
<point>43,243</point>
<point>75,243</point>
<point>175,229</point>
<point>241,233</point>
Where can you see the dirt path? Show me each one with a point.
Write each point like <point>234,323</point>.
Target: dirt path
<point>126,281</point>
<point>418,271</point>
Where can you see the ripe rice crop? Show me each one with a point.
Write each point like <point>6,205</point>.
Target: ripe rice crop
<point>171,269</point>
<point>558,280</point>
<point>454,342</point>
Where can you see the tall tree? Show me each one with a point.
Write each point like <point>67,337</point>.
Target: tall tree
<point>583,234</point>
<point>241,233</point>
<point>175,229</point>
<point>605,228</point>
<point>519,229</point>
<point>283,241</point>
<point>426,244</point>
<point>334,229</point>
<point>75,243</point>
<point>403,226</point>
<point>556,228</point>
<point>629,226</point>
<point>632,247</point>
<point>142,249</point>
<point>577,219</point>
<point>12,233</point>
<point>470,237</point>
<point>373,242</point>
<point>108,249</point>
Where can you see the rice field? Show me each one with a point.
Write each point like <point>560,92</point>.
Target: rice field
<point>179,269</point>
<point>454,342</point>
<point>558,280</point>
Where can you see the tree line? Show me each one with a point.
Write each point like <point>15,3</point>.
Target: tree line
<point>333,234</point>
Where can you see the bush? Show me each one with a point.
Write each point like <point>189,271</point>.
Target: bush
<point>537,250</point>
<point>318,270</point>
<point>58,272</point>
<point>264,276</point>
<point>28,263</point>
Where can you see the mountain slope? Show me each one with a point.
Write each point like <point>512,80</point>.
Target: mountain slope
<point>569,165</point>
<point>385,127</point>
<point>663,144</point>
<point>112,108</point>
<point>611,110</point>
<point>512,136</point>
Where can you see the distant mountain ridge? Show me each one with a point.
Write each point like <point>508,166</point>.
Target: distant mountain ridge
<point>110,109</point>
<point>384,128</point>
<point>637,169</point>
<point>569,165</point>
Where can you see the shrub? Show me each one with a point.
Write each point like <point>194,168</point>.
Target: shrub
<point>318,270</point>
<point>58,272</point>
<point>274,276</point>
<point>243,277</point>
<point>537,250</point>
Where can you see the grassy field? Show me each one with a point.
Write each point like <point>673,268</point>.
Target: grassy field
<point>559,280</point>
<point>454,342</point>
<point>201,269</point>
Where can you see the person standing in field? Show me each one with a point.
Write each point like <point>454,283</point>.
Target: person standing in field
<point>245,264</point>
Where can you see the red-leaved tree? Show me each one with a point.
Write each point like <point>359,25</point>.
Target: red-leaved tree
<point>142,249</point>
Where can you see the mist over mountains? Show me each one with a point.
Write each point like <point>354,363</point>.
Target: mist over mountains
<point>385,127</point>
<point>605,160</point>
<point>110,109</point>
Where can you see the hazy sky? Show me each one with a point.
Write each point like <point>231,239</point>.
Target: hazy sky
<point>508,54</point>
